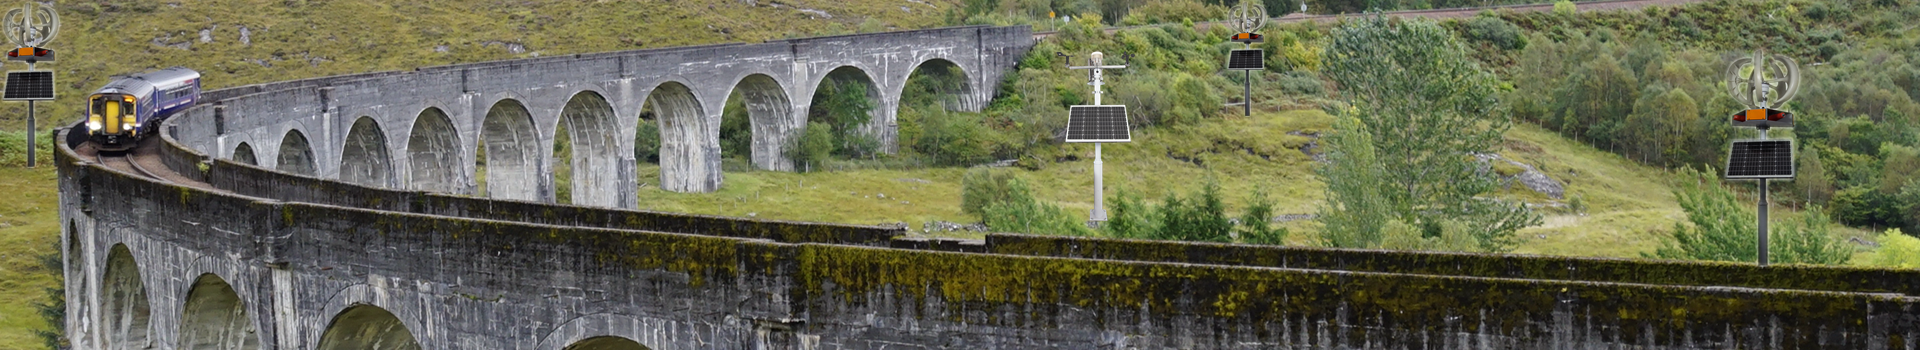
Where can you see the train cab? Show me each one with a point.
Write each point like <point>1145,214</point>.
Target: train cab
<point>129,107</point>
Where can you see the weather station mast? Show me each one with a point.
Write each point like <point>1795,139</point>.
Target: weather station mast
<point>1248,18</point>
<point>29,27</point>
<point>1097,124</point>
<point>1762,82</point>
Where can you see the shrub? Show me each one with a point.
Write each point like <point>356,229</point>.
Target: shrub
<point>1720,230</point>
<point>1173,11</point>
<point>736,128</point>
<point>1129,217</point>
<point>646,142</point>
<point>1302,83</point>
<point>1896,250</point>
<point>1497,32</point>
<point>1863,206</point>
<point>1807,240</point>
<point>1004,202</point>
<point>1256,225</point>
<point>1564,8</point>
<point>1200,217</point>
<point>813,147</point>
<point>981,186</point>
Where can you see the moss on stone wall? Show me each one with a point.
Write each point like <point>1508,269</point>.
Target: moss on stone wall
<point>973,285</point>
<point>1807,277</point>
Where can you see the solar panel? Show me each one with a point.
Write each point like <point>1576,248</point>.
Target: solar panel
<point>29,85</point>
<point>1249,59</point>
<point>1098,124</point>
<point>1755,159</point>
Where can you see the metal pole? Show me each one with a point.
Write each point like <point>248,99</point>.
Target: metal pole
<point>1099,187</point>
<point>1763,222</point>
<point>31,132</point>
<point>1246,93</point>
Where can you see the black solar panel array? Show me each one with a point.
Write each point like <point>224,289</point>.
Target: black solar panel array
<point>1098,124</point>
<point>1755,159</point>
<point>1251,59</point>
<point>29,85</point>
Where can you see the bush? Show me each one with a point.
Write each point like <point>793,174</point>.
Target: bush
<point>1863,206</point>
<point>1005,203</point>
<point>1497,32</point>
<point>1201,217</point>
<point>736,128</point>
<point>1807,240</point>
<point>1129,217</point>
<point>1720,230</point>
<point>1564,8</point>
<point>1256,225</point>
<point>982,186</point>
<point>646,142</point>
<point>1896,250</point>
<point>1173,11</point>
<point>813,148</point>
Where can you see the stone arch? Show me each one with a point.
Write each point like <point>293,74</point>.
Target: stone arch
<point>244,154</point>
<point>879,123</point>
<point>770,120</point>
<point>76,285</point>
<point>367,327</point>
<point>950,84</point>
<point>689,140</point>
<point>512,147</point>
<point>215,318</point>
<point>126,315</point>
<point>606,343</point>
<point>433,153</point>
<point>296,155</point>
<point>363,155</point>
<point>592,168</point>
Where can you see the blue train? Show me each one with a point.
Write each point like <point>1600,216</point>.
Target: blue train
<point>131,107</point>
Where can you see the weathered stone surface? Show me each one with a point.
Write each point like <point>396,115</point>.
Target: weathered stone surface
<point>290,259</point>
<point>515,106</point>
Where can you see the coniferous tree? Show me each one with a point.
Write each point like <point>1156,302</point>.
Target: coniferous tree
<point>1430,109</point>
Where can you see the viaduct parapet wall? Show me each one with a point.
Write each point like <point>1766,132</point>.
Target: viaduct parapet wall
<point>277,256</point>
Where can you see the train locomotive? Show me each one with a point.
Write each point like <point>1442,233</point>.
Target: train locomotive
<point>130,107</point>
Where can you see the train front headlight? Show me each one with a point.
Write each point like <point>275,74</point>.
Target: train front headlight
<point>124,126</point>
<point>93,125</point>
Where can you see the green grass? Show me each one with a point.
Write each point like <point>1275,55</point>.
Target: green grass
<point>29,230</point>
<point>1230,149</point>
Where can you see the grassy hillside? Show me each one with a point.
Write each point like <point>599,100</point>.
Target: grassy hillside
<point>239,42</point>
<point>29,232</point>
<point>1628,205</point>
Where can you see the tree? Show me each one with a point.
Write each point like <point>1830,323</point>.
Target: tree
<point>1720,230</point>
<point>1128,217</point>
<point>1355,212</point>
<point>1591,101</point>
<point>1429,108</point>
<point>1812,179</point>
<point>1256,224</point>
<point>843,105</point>
<point>1897,250</point>
<point>1807,240</point>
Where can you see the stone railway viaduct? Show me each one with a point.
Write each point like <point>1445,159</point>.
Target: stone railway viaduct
<point>336,213</point>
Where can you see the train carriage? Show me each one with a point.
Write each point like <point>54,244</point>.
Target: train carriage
<point>130,107</point>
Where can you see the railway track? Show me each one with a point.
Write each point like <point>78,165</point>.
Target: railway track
<point>1460,12</point>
